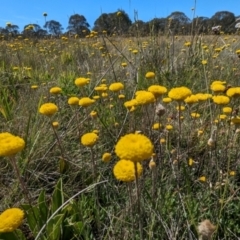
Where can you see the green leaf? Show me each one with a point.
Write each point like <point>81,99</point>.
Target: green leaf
<point>57,198</point>
<point>16,235</point>
<point>54,227</point>
<point>33,217</point>
<point>42,205</point>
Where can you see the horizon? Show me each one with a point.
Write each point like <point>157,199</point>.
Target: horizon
<point>21,14</point>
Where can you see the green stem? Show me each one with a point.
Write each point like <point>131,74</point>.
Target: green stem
<point>138,202</point>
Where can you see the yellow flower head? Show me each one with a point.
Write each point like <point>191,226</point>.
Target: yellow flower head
<point>157,90</point>
<point>11,219</point>
<point>86,101</point>
<point>144,97</point>
<point>156,126</point>
<point>106,157</point>
<point>89,139</point>
<point>124,64</point>
<point>55,90</point>
<point>217,87</point>
<point>134,147</point>
<point>121,96</point>
<point>73,101</point>
<point>202,179</point>
<point>124,170</point>
<point>93,114</point>
<point>221,100</point>
<point>195,115</point>
<point>34,86</point>
<point>235,120</point>
<point>115,87</point>
<point>179,93</point>
<point>55,124</point>
<point>10,144</point>
<point>233,92</point>
<point>227,110</point>
<point>167,100</point>
<point>191,99</point>
<point>131,103</point>
<point>48,109</point>
<point>190,161</point>
<point>203,96</point>
<point>81,81</point>
<point>119,13</point>
<point>169,127</point>
<point>150,75</point>
<point>187,44</point>
<point>101,88</point>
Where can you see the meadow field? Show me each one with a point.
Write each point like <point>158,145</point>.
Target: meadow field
<point>111,137</point>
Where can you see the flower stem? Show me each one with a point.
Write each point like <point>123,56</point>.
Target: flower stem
<point>138,202</point>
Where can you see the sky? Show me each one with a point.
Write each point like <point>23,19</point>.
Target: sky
<point>23,12</point>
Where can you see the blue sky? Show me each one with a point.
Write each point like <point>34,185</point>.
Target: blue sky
<point>23,12</point>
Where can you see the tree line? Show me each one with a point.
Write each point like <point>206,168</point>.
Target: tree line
<point>119,23</point>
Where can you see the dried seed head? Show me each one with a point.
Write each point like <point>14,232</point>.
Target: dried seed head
<point>206,229</point>
<point>152,164</point>
<point>160,110</point>
<point>211,142</point>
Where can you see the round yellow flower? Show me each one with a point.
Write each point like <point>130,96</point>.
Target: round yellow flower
<point>187,44</point>
<point>157,90</point>
<point>55,90</point>
<point>227,110</point>
<point>119,13</point>
<point>131,103</point>
<point>121,96</point>
<point>221,100</point>
<point>93,114</point>
<point>34,86</point>
<point>235,120</point>
<point>124,170</point>
<point>169,127</point>
<point>179,93</point>
<point>217,87</point>
<point>134,147</point>
<point>101,88</point>
<point>203,96</point>
<point>195,115</point>
<point>106,157</point>
<point>144,97</point>
<point>86,101</point>
<point>48,109</point>
<point>202,179</point>
<point>10,144</point>
<point>115,87</point>
<point>73,101</point>
<point>81,81</point>
<point>124,64</point>
<point>233,92</point>
<point>11,219</point>
<point>150,75</point>
<point>89,139</point>
<point>156,126</point>
<point>191,99</point>
<point>167,100</point>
